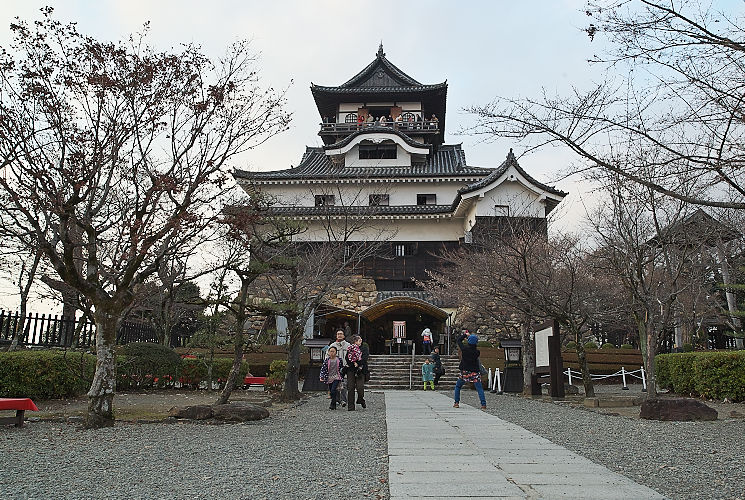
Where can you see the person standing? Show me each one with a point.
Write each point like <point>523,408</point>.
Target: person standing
<point>438,370</point>
<point>356,367</point>
<point>470,369</point>
<point>341,346</point>
<point>428,374</point>
<point>426,341</point>
<point>331,375</point>
<point>347,330</point>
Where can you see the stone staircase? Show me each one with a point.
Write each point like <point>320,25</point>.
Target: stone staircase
<point>392,372</point>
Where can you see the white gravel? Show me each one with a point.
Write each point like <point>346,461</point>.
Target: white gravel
<point>681,460</point>
<point>305,451</point>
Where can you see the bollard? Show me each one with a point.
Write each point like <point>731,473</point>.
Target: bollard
<point>623,375</point>
<point>569,373</point>
<point>489,383</point>
<point>499,382</point>
<point>644,381</point>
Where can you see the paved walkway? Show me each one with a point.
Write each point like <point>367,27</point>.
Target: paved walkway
<point>477,455</point>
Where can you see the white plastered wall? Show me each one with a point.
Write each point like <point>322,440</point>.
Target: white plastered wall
<point>400,193</point>
<point>441,229</point>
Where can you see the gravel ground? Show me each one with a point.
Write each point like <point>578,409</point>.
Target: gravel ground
<point>305,451</point>
<point>682,460</point>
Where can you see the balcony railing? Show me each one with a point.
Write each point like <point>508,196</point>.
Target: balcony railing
<point>425,127</point>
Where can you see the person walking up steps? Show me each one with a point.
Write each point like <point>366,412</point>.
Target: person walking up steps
<point>331,375</point>
<point>426,341</point>
<point>470,369</point>
<point>428,374</point>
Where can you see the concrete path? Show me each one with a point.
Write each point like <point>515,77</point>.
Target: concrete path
<point>477,455</point>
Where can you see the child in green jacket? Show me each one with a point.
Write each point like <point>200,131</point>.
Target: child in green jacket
<point>428,374</point>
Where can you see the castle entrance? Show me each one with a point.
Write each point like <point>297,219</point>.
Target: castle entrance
<point>378,324</point>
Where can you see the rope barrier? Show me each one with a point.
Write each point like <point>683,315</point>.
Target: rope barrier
<point>620,373</point>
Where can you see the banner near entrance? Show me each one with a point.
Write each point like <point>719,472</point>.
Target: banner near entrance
<point>399,330</point>
<point>548,360</point>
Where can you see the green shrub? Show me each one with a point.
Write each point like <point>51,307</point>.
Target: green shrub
<point>720,375</point>
<point>608,345</point>
<point>591,345</point>
<point>45,374</point>
<point>571,344</point>
<point>275,379</point>
<point>145,364</point>
<point>687,347</point>
<point>715,375</point>
<point>627,346</point>
<point>194,371</point>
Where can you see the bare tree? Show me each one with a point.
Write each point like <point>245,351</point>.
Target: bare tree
<point>643,239</point>
<point>22,264</point>
<point>670,113</point>
<point>119,152</point>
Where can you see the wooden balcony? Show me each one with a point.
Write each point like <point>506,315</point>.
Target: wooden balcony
<point>412,128</point>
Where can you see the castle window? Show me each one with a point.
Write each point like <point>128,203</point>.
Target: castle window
<point>379,200</point>
<point>426,199</point>
<point>325,200</point>
<point>405,249</point>
<point>502,210</point>
<point>350,118</point>
<point>378,151</point>
<point>408,116</point>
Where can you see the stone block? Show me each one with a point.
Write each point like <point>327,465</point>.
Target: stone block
<point>239,412</point>
<point>197,412</point>
<point>678,409</point>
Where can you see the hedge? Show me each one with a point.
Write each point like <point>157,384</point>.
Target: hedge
<point>63,374</point>
<point>45,374</point>
<point>194,371</point>
<point>712,375</point>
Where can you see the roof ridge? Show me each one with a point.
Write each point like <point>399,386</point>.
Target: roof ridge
<point>380,58</point>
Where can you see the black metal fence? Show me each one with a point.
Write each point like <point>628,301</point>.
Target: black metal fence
<point>47,330</point>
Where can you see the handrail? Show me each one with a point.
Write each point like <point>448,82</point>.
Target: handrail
<point>425,126</point>
<point>411,366</point>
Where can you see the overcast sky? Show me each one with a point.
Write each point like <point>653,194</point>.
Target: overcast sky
<point>483,49</point>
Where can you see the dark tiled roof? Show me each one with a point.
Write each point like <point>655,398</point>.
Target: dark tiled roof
<point>376,129</point>
<point>499,171</point>
<point>417,294</point>
<point>363,210</point>
<point>378,90</point>
<point>380,76</point>
<point>446,161</point>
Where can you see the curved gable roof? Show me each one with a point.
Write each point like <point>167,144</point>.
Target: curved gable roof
<point>511,161</point>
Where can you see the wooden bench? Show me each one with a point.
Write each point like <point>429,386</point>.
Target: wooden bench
<point>254,380</point>
<point>20,405</point>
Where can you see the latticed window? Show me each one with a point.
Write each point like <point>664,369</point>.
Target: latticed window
<point>325,200</point>
<point>406,117</point>
<point>379,200</point>
<point>351,118</point>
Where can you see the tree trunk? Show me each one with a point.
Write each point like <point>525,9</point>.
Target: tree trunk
<point>19,326</point>
<point>101,393</point>
<point>526,336</point>
<point>235,370</point>
<point>586,377</point>
<point>651,341</point>
<point>290,391</point>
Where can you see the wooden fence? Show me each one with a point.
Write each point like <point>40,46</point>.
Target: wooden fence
<point>47,330</point>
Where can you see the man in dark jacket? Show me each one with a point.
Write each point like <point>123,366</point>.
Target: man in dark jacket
<point>470,368</point>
